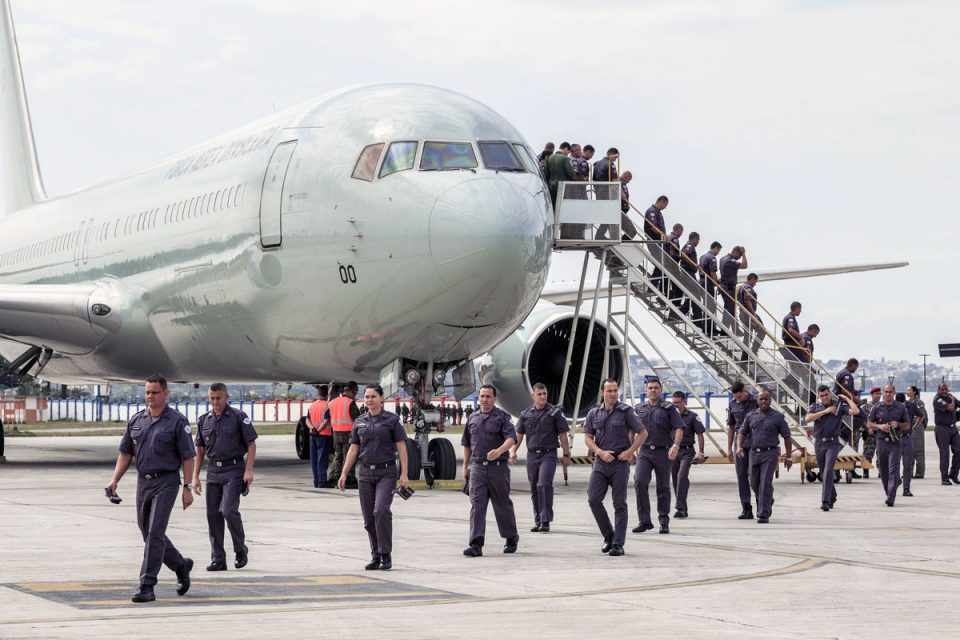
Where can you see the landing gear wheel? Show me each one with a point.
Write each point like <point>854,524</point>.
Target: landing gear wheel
<point>414,464</point>
<point>444,459</point>
<point>301,439</point>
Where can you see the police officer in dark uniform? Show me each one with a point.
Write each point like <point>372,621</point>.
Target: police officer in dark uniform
<point>613,435</point>
<point>224,436</point>
<point>664,433</point>
<point>377,440</point>
<point>709,278</point>
<point>546,429</point>
<point>759,432</point>
<point>906,448</point>
<point>680,469</point>
<point>918,420</point>
<point>487,439</point>
<point>159,438</point>
<point>890,421</point>
<point>827,418</point>
<point>688,268</point>
<point>869,437</point>
<point>845,382</point>
<point>730,264</point>
<point>741,403</point>
<point>655,228</point>
<point>945,431</point>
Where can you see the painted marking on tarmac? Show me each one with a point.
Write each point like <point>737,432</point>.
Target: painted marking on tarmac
<point>267,590</point>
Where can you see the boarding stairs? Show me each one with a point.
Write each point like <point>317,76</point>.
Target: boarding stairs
<point>696,320</point>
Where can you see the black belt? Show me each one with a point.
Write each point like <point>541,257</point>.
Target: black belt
<point>827,440</point>
<point>653,447</point>
<point>226,463</point>
<point>685,446</point>
<point>159,474</point>
<point>382,465</point>
<point>762,449</point>
<point>485,463</point>
<point>548,450</point>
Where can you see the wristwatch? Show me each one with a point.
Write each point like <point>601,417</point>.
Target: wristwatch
<point>188,486</point>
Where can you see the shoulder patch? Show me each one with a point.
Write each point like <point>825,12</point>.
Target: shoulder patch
<point>246,420</point>
<point>186,428</point>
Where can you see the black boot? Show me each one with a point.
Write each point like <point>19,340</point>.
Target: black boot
<point>607,545</point>
<point>242,559</point>
<point>183,577</point>
<point>511,545</point>
<point>144,594</point>
<point>374,564</point>
<point>475,550</point>
<point>217,565</point>
<point>386,562</point>
<point>746,514</point>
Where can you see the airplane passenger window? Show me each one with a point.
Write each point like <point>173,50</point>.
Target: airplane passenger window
<point>499,156</point>
<point>446,156</point>
<point>526,158</point>
<point>400,157</point>
<point>228,199</point>
<point>216,202</point>
<point>367,162</point>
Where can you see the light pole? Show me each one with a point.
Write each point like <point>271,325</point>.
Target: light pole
<point>924,356</point>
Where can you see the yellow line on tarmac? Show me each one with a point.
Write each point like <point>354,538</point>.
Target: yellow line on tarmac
<point>257,599</point>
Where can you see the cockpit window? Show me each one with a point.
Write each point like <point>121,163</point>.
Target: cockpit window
<point>400,157</point>
<point>499,156</point>
<point>445,156</point>
<point>366,166</point>
<point>526,157</point>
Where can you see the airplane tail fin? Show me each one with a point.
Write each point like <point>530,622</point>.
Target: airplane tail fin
<point>20,182</point>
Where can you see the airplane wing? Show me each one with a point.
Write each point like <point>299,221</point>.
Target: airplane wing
<point>565,291</point>
<point>71,319</point>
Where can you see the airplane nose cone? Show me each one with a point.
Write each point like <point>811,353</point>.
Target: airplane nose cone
<point>490,242</point>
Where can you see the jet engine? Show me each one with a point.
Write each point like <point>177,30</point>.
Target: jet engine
<point>536,352</point>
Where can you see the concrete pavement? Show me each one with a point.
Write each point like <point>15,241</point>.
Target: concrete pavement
<point>69,562</point>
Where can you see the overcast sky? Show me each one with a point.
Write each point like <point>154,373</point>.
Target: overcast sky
<point>812,132</point>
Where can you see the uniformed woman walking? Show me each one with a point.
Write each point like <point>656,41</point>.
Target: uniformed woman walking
<point>377,440</point>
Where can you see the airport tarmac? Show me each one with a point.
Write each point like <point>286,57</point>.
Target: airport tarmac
<point>69,561</point>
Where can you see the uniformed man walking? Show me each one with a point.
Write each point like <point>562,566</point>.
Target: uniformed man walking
<point>340,414</point>
<point>945,431</point>
<point>545,428</point>
<point>918,418</point>
<point>680,469</point>
<point>845,382</point>
<point>906,448</point>
<point>760,432</point>
<point>664,432</point>
<point>377,441</point>
<point>741,403</point>
<point>869,437</point>
<point>487,439</point>
<point>827,418</point>
<point>889,420</point>
<point>225,436</point>
<point>753,331</point>
<point>614,433</point>
<point>159,438</point>
<point>730,264</point>
<point>709,279</point>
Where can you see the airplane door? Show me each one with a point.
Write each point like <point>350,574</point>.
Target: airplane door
<point>271,196</point>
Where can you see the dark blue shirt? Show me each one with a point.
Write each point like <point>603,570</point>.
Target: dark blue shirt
<point>828,427</point>
<point>653,224</point>
<point>729,266</point>
<point>737,410</point>
<point>807,356</point>
<point>159,444</point>
<point>689,262</point>
<point>377,437</point>
<point>542,427</point>
<point>691,427</point>
<point>941,416</point>
<point>845,380</point>
<point>790,324</point>
<point>485,432</point>
<point>763,429</point>
<point>661,421</point>
<point>708,263</point>
<point>611,429</point>
<point>884,413</point>
<point>225,436</point>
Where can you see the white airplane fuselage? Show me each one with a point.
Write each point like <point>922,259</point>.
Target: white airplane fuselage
<point>435,266</point>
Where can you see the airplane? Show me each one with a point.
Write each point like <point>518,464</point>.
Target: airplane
<point>393,231</point>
